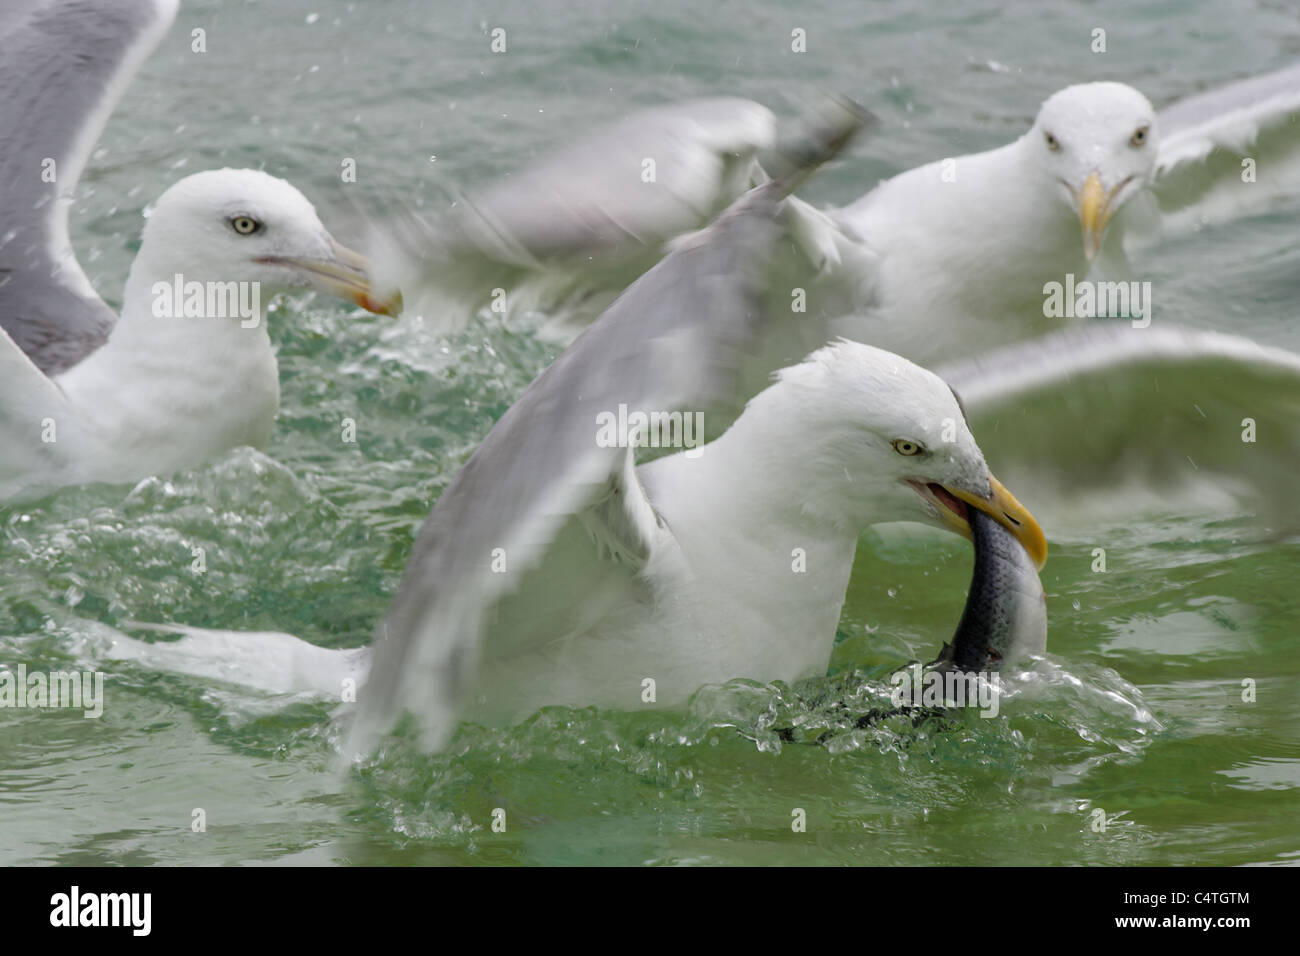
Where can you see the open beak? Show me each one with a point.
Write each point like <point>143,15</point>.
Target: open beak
<point>346,275</point>
<point>1096,207</point>
<point>1001,506</point>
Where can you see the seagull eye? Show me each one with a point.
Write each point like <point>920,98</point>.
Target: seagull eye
<point>1053,143</point>
<point>907,448</point>
<point>245,225</point>
<point>1139,136</point>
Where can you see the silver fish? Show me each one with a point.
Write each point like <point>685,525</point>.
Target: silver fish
<point>1005,618</point>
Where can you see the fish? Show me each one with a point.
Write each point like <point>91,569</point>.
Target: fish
<point>1003,623</point>
<point>1005,617</point>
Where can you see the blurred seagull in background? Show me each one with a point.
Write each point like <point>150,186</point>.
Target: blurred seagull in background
<point>187,370</point>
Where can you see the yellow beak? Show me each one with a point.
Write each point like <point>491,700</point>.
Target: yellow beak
<point>1095,211</point>
<point>346,275</point>
<point>1003,508</point>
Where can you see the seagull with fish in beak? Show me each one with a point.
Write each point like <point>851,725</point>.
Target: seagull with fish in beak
<point>555,569</point>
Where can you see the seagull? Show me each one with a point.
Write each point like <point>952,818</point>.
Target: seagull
<point>555,569</point>
<point>186,371</point>
<point>970,244</point>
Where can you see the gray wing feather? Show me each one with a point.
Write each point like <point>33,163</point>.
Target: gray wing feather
<point>592,195</point>
<point>586,205</point>
<point>65,65</point>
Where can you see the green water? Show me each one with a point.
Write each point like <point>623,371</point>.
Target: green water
<point>1137,710</point>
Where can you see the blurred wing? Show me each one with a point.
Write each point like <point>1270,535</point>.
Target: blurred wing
<point>542,497</point>
<point>819,276</point>
<point>602,205</point>
<point>65,65</point>
<point>640,181</point>
<point>1205,139</point>
<point>1149,412</point>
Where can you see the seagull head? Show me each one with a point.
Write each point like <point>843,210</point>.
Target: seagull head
<point>243,225</point>
<point>891,443</point>
<point>1097,141</point>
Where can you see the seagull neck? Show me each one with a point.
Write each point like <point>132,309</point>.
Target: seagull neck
<point>179,385</point>
<point>160,301</point>
<point>753,517</point>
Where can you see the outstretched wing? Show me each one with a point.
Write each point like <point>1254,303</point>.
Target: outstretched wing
<point>592,215</point>
<point>675,339</point>
<point>1229,152</point>
<point>644,179</point>
<point>64,66</point>
<point>1154,413</point>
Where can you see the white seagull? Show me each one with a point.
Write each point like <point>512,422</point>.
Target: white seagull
<point>187,370</point>
<point>970,244</point>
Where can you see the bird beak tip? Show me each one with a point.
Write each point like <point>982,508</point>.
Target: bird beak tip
<point>348,275</point>
<point>389,305</point>
<point>1003,507</point>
